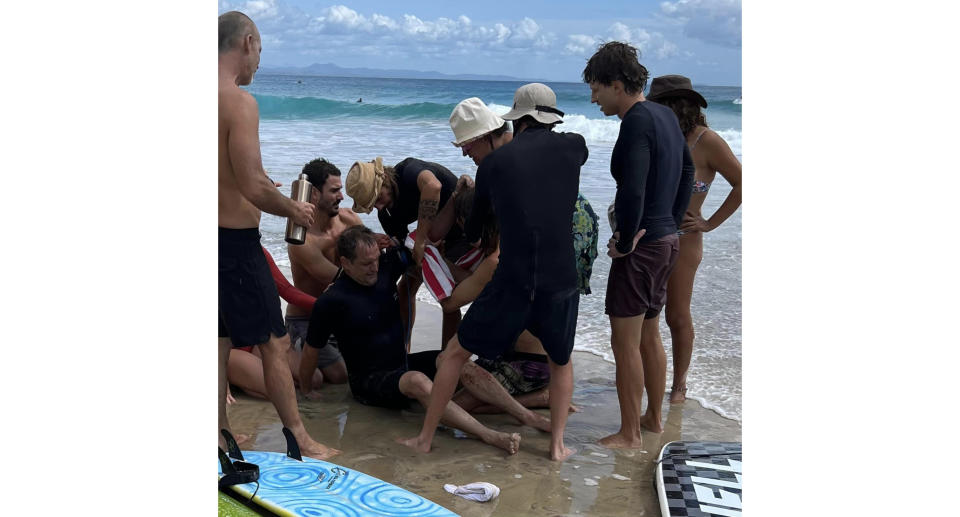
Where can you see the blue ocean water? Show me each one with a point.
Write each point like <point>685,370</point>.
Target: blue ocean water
<point>305,117</point>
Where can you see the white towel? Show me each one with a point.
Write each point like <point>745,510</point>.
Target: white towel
<point>480,491</point>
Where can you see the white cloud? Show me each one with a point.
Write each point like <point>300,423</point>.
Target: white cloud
<point>712,21</point>
<point>648,43</point>
<point>580,44</point>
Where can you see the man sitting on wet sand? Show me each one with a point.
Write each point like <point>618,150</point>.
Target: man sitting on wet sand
<point>313,264</point>
<point>362,311</point>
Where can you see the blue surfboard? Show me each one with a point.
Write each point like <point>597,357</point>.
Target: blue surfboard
<point>312,488</point>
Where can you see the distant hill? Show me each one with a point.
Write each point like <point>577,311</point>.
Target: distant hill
<point>330,69</point>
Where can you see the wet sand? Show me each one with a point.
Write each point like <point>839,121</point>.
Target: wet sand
<point>594,481</point>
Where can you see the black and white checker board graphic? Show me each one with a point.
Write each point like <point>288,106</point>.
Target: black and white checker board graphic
<point>701,479</point>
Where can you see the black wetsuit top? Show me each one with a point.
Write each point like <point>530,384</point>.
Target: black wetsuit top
<point>406,205</point>
<point>365,319</point>
<point>531,184</point>
<point>654,173</point>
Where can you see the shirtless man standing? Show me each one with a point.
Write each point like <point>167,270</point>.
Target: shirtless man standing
<point>249,305</point>
<point>313,264</point>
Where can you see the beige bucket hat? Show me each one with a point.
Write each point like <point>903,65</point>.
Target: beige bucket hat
<point>536,100</point>
<point>472,119</point>
<point>363,184</point>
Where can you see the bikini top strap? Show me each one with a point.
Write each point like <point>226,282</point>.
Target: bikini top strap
<point>698,139</point>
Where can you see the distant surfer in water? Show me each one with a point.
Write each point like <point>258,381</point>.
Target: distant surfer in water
<point>249,305</point>
<point>360,99</point>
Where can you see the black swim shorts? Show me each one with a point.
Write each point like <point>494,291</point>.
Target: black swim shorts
<point>249,304</point>
<point>382,388</point>
<point>496,318</point>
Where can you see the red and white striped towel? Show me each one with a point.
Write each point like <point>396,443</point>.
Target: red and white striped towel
<point>436,275</point>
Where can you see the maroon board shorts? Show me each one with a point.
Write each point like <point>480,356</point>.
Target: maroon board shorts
<point>638,282</point>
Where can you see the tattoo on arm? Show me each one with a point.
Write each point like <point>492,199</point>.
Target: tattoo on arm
<point>428,209</point>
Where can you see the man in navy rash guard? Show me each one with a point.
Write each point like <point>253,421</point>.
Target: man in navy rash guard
<point>654,173</point>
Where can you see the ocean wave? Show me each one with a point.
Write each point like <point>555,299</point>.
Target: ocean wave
<point>738,100</point>
<point>282,107</point>
<point>592,130</point>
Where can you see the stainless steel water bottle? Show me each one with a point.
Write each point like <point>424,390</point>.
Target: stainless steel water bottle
<point>300,191</point>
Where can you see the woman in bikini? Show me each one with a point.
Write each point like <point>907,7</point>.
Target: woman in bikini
<point>711,155</point>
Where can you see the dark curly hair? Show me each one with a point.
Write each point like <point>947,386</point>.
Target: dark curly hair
<point>687,111</point>
<point>616,61</point>
<point>319,170</point>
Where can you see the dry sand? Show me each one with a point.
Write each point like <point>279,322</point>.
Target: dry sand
<point>594,481</point>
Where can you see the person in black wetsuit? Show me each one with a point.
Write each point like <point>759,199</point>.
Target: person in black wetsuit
<point>531,185</point>
<point>412,190</point>
<point>361,310</point>
<point>654,173</point>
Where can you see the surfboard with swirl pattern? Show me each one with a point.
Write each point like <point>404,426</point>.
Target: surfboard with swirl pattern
<point>312,487</point>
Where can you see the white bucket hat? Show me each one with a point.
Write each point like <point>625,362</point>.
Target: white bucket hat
<point>472,119</point>
<point>538,101</point>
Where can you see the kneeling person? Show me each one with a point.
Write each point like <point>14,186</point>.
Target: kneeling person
<point>362,311</point>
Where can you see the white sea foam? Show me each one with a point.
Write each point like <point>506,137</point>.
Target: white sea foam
<point>738,101</point>
<point>605,131</point>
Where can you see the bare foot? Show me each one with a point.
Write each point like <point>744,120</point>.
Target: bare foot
<point>414,443</point>
<point>678,395</point>
<point>507,442</point>
<point>574,409</point>
<point>620,441</point>
<point>650,424</point>
<point>318,451</point>
<point>562,454</point>
<point>539,421</point>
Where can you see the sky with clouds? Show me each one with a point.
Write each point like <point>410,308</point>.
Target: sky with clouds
<point>530,39</point>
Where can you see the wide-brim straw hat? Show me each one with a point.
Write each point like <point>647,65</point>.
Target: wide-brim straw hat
<point>538,101</point>
<point>363,184</point>
<point>472,119</point>
<point>667,86</point>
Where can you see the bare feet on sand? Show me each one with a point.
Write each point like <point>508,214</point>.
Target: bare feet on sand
<point>562,454</point>
<point>318,451</point>
<point>507,442</point>
<point>620,441</point>
<point>414,443</point>
<point>678,395</point>
<point>648,423</point>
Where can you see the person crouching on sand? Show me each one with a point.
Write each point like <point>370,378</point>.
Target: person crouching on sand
<point>412,190</point>
<point>531,185</point>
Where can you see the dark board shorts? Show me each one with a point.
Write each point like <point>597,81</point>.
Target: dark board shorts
<point>248,301</point>
<point>638,282</point>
